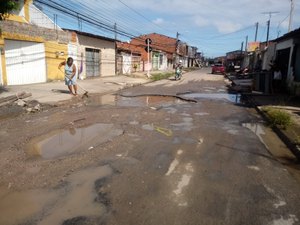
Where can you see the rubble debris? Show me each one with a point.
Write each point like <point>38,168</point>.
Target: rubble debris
<point>21,103</point>
<point>12,98</point>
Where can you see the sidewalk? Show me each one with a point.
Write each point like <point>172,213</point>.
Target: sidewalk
<point>53,92</point>
<point>291,135</point>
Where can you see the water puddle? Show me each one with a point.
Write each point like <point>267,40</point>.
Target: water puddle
<point>141,101</point>
<point>258,130</point>
<point>82,199</point>
<point>18,207</point>
<point>83,196</point>
<point>65,142</point>
<point>234,98</point>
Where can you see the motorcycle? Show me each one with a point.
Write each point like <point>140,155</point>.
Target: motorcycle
<point>178,73</point>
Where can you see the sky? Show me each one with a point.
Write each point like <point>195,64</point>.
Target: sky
<point>213,26</point>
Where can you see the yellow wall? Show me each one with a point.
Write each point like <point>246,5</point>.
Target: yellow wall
<point>51,50</point>
<point>21,37</point>
<point>26,17</point>
<point>26,9</point>
<point>2,61</point>
<point>16,18</point>
<point>53,59</point>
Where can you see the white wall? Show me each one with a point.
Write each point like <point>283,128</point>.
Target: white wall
<point>107,53</point>
<point>38,18</point>
<point>164,65</point>
<point>283,45</point>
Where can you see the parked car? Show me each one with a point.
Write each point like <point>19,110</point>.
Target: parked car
<point>218,68</point>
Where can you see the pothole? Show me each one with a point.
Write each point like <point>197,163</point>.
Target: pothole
<point>65,142</point>
<point>234,98</point>
<point>85,196</point>
<point>139,101</point>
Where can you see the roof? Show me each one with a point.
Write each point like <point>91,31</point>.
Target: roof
<point>292,34</point>
<point>90,35</point>
<point>129,47</point>
<point>159,42</point>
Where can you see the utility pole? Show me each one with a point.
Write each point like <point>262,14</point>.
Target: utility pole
<point>242,47</point>
<point>116,49</point>
<point>246,45</point>
<point>256,31</point>
<point>268,31</point>
<point>291,15</point>
<point>115,29</point>
<point>176,47</point>
<point>55,25</point>
<point>269,23</point>
<point>79,22</point>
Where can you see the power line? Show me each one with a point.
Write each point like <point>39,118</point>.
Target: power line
<point>85,18</point>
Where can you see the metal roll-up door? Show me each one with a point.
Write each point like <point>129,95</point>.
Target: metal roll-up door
<point>25,62</point>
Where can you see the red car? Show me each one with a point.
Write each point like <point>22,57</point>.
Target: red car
<point>218,68</point>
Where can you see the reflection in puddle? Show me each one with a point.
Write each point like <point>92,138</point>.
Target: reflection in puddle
<point>257,129</point>
<point>235,98</point>
<point>66,142</point>
<point>141,101</point>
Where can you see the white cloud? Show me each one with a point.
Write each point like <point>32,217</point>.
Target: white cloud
<point>201,21</point>
<point>227,26</point>
<point>158,21</point>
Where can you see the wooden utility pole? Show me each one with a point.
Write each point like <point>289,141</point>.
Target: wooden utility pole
<point>246,45</point>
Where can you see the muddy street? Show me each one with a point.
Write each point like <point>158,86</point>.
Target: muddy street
<point>168,152</point>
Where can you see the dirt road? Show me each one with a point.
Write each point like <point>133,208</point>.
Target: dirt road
<point>195,155</point>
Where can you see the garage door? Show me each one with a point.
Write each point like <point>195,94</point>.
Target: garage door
<point>25,62</point>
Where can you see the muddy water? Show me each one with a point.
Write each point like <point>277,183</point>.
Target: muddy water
<point>44,207</point>
<point>141,101</point>
<point>234,98</point>
<point>65,142</point>
<point>80,198</point>
<point>18,207</point>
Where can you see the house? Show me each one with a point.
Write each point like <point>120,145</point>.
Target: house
<point>94,55</point>
<point>288,59</point>
<point>129,58</point>
<point>235,57</point>
<point>192,53</point>
<point>163,54</point>
<point>31,47</point>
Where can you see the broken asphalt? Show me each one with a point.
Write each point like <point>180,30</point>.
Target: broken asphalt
<point>56,92</point>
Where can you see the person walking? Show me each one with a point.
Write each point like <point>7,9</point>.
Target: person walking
<point>70,75</point>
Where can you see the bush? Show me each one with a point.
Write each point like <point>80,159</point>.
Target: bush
<point>278,117</point>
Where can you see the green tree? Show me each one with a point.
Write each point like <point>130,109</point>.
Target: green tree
<point>6,6</point>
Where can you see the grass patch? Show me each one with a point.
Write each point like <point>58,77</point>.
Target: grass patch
<point>161,76</point>
<point>190,69</point>
<point>278,117</point>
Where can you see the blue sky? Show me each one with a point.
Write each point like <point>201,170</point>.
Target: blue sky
<point>214,26</point>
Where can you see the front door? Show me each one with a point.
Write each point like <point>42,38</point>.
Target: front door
<point>92,62</point>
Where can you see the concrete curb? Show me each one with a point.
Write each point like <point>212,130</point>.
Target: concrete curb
<point>285,139</point>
